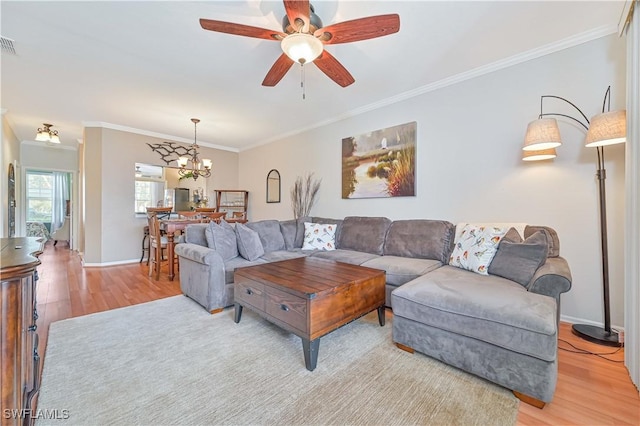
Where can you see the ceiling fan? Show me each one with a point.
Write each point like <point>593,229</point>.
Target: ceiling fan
<point>303,38</point>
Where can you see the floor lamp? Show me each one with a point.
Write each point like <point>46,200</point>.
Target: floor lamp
<point>607,128</point>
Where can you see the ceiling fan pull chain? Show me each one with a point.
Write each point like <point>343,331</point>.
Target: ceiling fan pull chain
<point>302,85</point>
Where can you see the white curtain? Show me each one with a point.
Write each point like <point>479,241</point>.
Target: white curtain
<point>60,197</point>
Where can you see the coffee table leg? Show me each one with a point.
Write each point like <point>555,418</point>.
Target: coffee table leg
<point>310,349</point>
<point>381,315</point>
<point>237,312</point>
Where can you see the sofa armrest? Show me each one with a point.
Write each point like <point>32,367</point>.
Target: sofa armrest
<point>551,279</point>
<point>199,254</point>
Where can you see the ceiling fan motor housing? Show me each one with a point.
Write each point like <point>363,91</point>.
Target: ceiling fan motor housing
<point>314,23</point>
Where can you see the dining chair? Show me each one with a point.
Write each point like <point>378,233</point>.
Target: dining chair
<point>188,214</point>
<point>238,215</point>
<point>213,216</point>
<point>206,209</point>
<point>161,212</point>
<point>157,243</point>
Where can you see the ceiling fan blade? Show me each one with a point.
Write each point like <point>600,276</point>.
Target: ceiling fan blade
<point>359,29</point>
<point>239,29</point>
<point>298,9</point>
<point>278,70</point>
<point>329,65</point>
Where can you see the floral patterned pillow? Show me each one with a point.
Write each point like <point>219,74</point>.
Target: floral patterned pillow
<point>319,236</point>
<point>475,247</point>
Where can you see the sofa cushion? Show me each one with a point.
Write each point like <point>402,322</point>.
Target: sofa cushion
<point>275,256</point>
<point>293,232</point>
<point>519,261</point>
<point>488,308</point>
<point>337,222</point>
<point>418,238</point>
<point>222,238</point>
<point>401,270</point>
<point>475,246</point>
<point>238,262</point>
<point>319,236</point>
<point>552,238</point>
<point>249,245</point>
<point>346,256</point>
<point>195,234</point>
<point>270,234</point>
<point>365,234</point>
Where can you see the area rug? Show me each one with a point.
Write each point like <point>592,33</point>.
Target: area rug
<point>171,362</point>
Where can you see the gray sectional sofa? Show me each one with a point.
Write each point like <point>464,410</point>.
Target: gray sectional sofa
<point>504,330</point>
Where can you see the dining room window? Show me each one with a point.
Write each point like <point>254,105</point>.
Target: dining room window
<point>39,196</point>
<point>149,187</point>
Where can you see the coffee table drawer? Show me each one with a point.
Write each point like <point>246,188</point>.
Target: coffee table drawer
<point>250,293</point>
<point>286,307</point>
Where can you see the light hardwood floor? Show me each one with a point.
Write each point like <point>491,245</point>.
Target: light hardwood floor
<point>590,390</point>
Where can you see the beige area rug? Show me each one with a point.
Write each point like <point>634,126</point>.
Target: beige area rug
<point>171,362</point>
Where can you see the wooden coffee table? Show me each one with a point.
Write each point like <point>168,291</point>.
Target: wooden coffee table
<point>309,297</point>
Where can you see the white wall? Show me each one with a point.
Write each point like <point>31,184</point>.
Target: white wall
<point>468,162</point>
<point>10,153</point>
<point>112,231</point>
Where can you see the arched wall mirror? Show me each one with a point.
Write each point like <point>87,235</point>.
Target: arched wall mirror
<point>273,186</point>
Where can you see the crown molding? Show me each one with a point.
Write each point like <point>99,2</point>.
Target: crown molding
<point>538,52</point>
<point>154,134</point>
<point>53,146</point>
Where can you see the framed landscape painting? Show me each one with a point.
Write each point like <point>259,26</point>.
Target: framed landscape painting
<point>380,164</point>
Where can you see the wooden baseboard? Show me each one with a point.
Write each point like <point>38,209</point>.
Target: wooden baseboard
<point>405,348</point>
<point>529,400</point>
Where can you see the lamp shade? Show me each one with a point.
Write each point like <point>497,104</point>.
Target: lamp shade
<point>545,154</point>
<point>607,128</point>
<point>302,48</point>
<point>42,136</point>
<point>542,134</point>
<point>182,161</point>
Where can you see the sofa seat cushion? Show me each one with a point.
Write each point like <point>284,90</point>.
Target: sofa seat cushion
<point>238,262</point>
<point>275,256</point>
<point>487,308</point>
<point>345,256</point>
<point>401,270</point>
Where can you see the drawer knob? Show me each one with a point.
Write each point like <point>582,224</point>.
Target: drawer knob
<point>249,291</point>
<point>284,307</point>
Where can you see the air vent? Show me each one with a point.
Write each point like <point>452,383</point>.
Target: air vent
<point>7,45</point>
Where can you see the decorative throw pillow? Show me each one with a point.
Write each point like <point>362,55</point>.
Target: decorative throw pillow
<point>222,238</point>
<point>519,261</point>
<point>319,236</point>
<point>249,245</point>
<point>475,246</point>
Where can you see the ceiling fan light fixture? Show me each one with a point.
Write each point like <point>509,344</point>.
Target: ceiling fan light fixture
<point>301,48</point>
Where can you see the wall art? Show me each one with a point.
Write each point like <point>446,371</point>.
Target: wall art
<point>381,163</point>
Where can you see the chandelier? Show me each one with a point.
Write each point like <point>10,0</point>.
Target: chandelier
<point>198,167</point>
<point>45,134</point>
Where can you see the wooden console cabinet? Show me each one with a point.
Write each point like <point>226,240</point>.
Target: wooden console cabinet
<point>18,338</point>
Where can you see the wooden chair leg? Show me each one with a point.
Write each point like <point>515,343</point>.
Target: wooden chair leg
<point>216,311</point>
<point>529,400</point>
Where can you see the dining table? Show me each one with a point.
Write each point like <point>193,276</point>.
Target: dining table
<point>171,226</point>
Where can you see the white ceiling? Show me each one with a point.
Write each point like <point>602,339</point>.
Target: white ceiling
<point>149,65</point>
